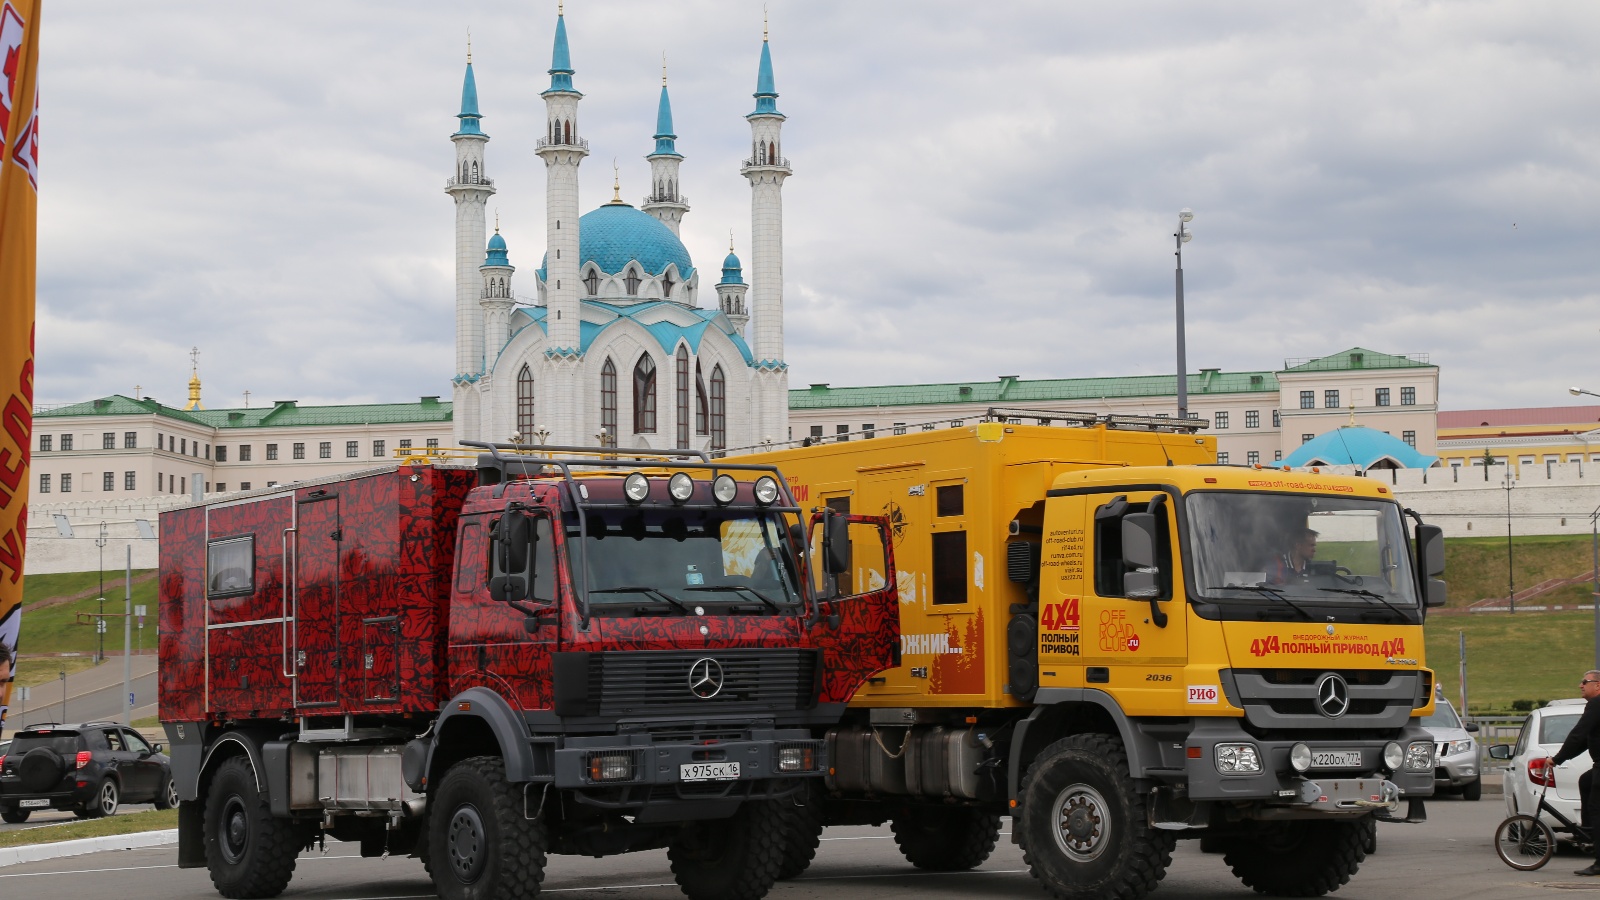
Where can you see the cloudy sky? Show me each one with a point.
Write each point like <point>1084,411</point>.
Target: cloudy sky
<point>980,189</point>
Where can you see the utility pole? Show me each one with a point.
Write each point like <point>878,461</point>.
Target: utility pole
<point>1594,597</point>
<point>100,626</point>
<point>1181,237</point>
<point>1463,645</point>
<point>1511,569</point>
<point>127,640</point>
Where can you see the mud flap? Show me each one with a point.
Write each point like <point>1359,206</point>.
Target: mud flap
<point>1416,813</point>
<point>191,834</point>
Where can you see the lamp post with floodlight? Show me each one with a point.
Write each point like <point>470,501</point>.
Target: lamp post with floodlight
<point>1182,236</point>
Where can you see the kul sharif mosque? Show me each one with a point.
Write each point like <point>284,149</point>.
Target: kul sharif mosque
<point>628,344</point>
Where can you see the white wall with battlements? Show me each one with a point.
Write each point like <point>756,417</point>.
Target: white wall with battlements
<point>1470,501</point>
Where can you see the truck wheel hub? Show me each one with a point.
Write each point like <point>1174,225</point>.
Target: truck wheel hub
<point>467,846</point>
<point>1082,828</point>
<point>235,830</point>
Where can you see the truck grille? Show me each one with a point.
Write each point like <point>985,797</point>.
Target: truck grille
<point>632,683</point>
<point>1287,698</point>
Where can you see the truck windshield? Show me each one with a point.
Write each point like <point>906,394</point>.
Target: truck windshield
<point>1300,552</point>
<point>672,560</point>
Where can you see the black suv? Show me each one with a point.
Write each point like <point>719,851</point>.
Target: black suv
<point>90,769</point>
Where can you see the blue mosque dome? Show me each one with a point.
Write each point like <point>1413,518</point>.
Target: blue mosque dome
<point>732,271</point>
<point>616,233</point>
<point>1353,445</point>
<point>497,252</point>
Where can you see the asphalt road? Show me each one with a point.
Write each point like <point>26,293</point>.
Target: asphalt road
<point>1450,856</point>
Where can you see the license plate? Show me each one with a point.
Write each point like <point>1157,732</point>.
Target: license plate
<point>33,804</point>
<point>720,771</point>
<point>1336,759</point>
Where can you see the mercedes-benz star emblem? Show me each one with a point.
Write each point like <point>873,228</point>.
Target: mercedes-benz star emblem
<point>1333,695</point>
<point>705,678</point>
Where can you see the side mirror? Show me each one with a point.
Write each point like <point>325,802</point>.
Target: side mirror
<point>159,747</point>
<point>1430,550</point>
<point>1139,540</point>
<point>1500,751</point>
<point>836,544</point>
<point>512,541</point>
<point>1472,727</point>
<point>1438,594</point>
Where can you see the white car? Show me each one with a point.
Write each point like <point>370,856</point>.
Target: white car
<point>1542,734</point>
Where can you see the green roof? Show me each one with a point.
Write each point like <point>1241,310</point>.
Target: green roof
<point>1012,391</point>
<point>1358,358</point>
<point>284,413</point>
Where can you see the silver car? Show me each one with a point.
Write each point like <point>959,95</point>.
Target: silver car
<point>1455,758</point>
<point>1542,734</point>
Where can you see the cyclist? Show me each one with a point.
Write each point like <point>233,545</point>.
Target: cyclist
<point>1585,736</point>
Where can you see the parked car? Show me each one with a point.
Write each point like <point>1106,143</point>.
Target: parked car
<point>90,769</point>
<point>1542,734</point>
<point>1455,757</point>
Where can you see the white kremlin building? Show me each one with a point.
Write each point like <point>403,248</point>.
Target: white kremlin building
<point>627,344</point>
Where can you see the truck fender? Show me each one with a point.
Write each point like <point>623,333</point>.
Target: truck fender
<point>1053,709</point>
<point>227,745</point>
<point>484,708</point>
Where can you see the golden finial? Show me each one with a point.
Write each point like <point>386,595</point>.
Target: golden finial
<point>561,7</point>
<point>730,240</point>
<point>194,380</point>
<point>469,46</point>
<point>616,183</point>
<point>1352,415</point>
<point>663,68</point>
<point>763,23</point>
<point>497,221</point>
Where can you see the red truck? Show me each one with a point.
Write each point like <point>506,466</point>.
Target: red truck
<point>556,650</point>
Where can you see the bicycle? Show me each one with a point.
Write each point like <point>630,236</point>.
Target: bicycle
<point>1526,842</point>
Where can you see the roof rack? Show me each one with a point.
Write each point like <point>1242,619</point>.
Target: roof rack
<point>1088,419</point>
<point>531,461</point>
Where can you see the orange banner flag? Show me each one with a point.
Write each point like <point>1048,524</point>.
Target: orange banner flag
<point>19,221</point>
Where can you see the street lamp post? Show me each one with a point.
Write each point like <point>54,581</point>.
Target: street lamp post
<point>1511,570</point>
<point>1594,597</point>
<point>1180,237</point>
<point>100,542</point>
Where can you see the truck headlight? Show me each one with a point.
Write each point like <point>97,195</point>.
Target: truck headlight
<point>1238,759</point>
<point>1393,756</point>
<point>1455,748</point>
<point>611,767</point>
<point>1419,756</point>
<point>797,759</point>
<point>636,487</point>
<point>766,490</point>
<point>1300,757</point>
<point>680,487</point>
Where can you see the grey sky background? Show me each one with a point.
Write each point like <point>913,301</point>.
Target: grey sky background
<point>979,189</point>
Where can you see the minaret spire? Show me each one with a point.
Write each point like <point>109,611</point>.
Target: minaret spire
<point>664,202</point>
<point>471,188</point>
<point>766,169</point>
<point>562,150</point>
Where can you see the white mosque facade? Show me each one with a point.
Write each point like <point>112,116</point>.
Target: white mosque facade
<point>628,343</point>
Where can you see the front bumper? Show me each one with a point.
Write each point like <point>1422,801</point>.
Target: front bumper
<point>1455,771</point>
<point>1316,791</point>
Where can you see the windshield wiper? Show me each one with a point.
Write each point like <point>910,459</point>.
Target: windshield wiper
<point>648,592</point>
<point>741,588</point>
<point>1363,592</point>
<point>1268,592</point>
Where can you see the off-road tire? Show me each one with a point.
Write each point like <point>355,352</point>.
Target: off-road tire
<point>939,839</point>
<point>167,797</point>
<point>1303,858</point>
<point>804,833</point>
<point>479,845</point>
<point>737,858</point>
<point>249,853</point>
<point>107,800</point>
<point>13,815</point>
<point>1118,854</point>
<point>1473,790</point>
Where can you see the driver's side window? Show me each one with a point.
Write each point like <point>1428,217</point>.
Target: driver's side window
<point>1522,738</point>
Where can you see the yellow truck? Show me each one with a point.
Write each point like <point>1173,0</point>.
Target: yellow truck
<point>1120,643</point>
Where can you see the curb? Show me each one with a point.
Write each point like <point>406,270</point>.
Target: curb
<point>11,856</point>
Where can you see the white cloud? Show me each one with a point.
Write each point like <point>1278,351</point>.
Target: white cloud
<point>978,190</point>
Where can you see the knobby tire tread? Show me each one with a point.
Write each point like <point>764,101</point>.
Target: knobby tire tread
<point>804,828</point>
<point>761,827</point>
<point>1324,862</point>
<point>958,839</point>
<point>275,845</point>
<point>1149,852</point>
<point>521,857</point>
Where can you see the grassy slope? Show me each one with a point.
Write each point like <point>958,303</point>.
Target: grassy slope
<point>1528,656</point>
<point>54,629</point>
<point>1475,567</point>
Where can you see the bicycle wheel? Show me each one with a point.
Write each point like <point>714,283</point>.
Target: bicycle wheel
<point>1524,843</point>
